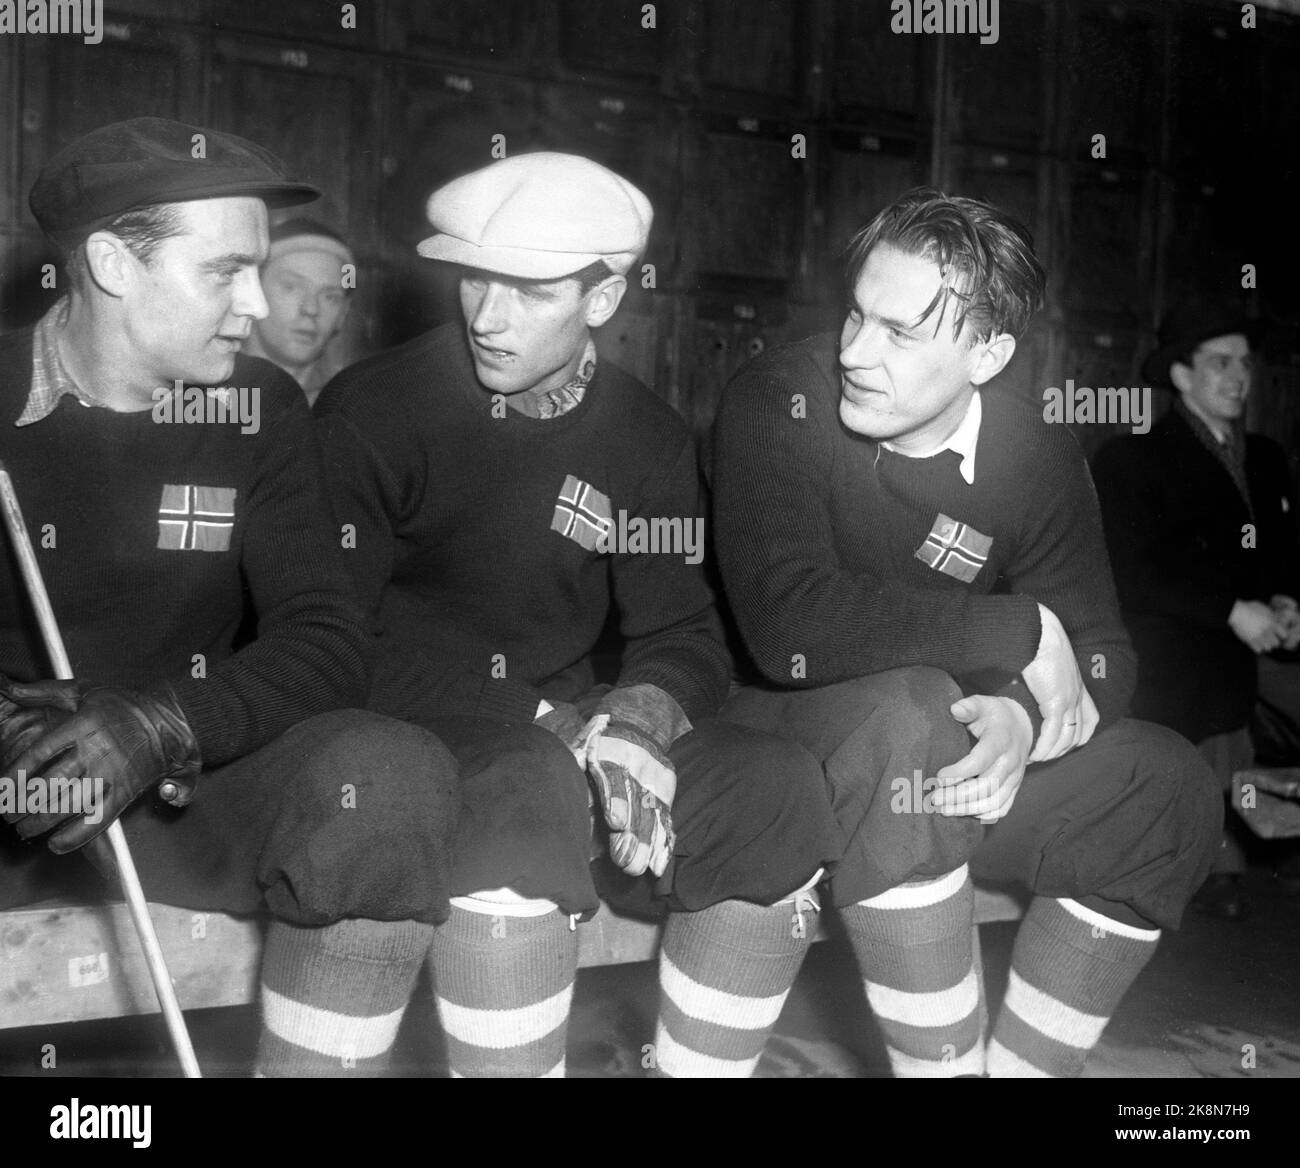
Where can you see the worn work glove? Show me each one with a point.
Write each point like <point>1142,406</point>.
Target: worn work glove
<point>627,758</point>
<point>570,727</point>
<point>130,741</point>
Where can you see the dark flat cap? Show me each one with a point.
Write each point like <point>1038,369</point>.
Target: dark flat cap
<point>144,161</point>
<point>1191,322</point>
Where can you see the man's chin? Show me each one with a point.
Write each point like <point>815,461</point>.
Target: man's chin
<point>862,420</point>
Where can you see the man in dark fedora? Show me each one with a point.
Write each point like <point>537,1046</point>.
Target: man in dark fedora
<point>1201,527</point>
<point>164,512</point>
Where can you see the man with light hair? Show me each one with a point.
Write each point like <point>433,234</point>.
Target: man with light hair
<point>484,467</point>
<point>917,568</point>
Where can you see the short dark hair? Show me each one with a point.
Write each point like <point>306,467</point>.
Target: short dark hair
<point>985,256</point>
<point>142,229</point>
<point>591,275</point>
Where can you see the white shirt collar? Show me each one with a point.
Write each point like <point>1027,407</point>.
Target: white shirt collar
<point>963,440</point>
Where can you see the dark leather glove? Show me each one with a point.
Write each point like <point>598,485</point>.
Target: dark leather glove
<point>30,709</point>
<point>126,742</point>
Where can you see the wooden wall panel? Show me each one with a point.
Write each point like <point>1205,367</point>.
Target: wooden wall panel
<point>610,37</point>
<point>1105,270</point>
<point>756,48</point>
<point>464,29</point>
<point>70,88</point>
<point>302,22</point>
<point>9,126</point>
<point>876,76</point>
<point>23,300</point>
<point>999,91</point>
<point>316,108</point>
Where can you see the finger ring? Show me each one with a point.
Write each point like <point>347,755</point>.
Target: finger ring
<point>1072,723</point>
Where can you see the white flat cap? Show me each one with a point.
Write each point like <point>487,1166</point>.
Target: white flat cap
<point>538,217</point>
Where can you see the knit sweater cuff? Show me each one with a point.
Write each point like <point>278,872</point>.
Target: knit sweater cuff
<point>510,700</point>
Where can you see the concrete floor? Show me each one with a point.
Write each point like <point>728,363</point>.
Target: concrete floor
<point>1214,992</point>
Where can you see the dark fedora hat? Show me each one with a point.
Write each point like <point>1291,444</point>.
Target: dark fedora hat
<point>1189,323</point>
<point>145,161</point>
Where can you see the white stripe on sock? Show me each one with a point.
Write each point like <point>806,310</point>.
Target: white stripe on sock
<point>504,902</point>
<point>556,1072</point>
<point>499,1029</point>
<point>716,1006</point>
<point>920,894</point>
<point>328,1033</point>
<point>1092,917</point>
<point>1006,1064</point>
<point>935,1008</point>
<point>906,1066</point>
<point>1052,1017</point>
<point>681,1062</point>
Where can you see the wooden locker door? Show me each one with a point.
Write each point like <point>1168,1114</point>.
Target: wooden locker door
<point>867,173</point>
<point>462,29</point>
<point>1108,269</point>
<point>69,88</point>
<point>998,89</point>
<point>1112,81</point>
<point>876,76</point>
<point>745,193</point>
<point>634,134</point>
<point>318,109</point>
<point>10,195</point>
<point>756,48</point>
<point>302,22</point>
<point>611,37</point>
<point>1101,358</point>
<point>445,123</point>
<point>1010,181</point>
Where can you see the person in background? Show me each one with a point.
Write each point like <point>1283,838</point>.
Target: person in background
<point>1200,523</point>
<point>307,280</point>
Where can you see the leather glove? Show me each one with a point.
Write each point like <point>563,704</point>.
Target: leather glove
<point>569,726</point>
<point>129,740</point>
<point>627,757</point>
<point>28,710</point>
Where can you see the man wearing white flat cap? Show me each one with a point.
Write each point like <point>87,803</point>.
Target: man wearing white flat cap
<point>491,471</point>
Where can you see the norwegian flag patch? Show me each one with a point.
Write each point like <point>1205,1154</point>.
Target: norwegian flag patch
<point>582,513</point>
<point>198,519</point>
<point>954,548</point>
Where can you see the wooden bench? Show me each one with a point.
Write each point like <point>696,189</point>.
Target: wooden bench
<point>72,963</point>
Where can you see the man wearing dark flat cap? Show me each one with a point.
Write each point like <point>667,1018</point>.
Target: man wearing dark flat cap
<point>492,469</point>
<point>1200,521</point>
<point>161,520</point>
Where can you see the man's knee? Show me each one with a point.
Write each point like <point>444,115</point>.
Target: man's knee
<point>1172,770</point>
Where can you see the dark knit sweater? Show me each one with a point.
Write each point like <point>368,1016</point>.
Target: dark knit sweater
<point>1175,519</point>
<point>817,530</point>
<point>132,613</point>
<point>484,608</point>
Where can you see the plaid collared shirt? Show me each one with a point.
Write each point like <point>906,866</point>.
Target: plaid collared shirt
<point>50,378</point>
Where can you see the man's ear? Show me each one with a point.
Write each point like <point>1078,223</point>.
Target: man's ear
<point>1180,375</point>
<point>993,357</point>
<point>110,263</point>
<point>603,300</point>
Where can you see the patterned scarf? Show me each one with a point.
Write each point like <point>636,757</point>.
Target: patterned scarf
<point>1231,455</point>
<point>553,402</point>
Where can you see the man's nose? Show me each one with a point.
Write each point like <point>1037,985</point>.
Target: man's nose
<point>863,348</point>
<point>490,312</point>
<point>309,306</point>
<point>248,298</point>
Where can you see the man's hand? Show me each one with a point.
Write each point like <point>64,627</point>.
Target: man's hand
<point>123,741</point>
<point>1069,715</point>
<point>28,710</point>
<point>985,782</point>
<point>1287,612</point>
<point>1257,626</point>
<point>569,726</point>
<point>627,757</point>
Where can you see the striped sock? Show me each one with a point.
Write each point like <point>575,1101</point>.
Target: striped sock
<point>1069,969</point>
<point>503,983</point>
<point>915,952</point>
<point>724,974</point>
<point>333,997</point>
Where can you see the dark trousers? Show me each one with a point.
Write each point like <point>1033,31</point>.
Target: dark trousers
<point>750,817</point>
<point>347,814</point>
<point>1127,823</point>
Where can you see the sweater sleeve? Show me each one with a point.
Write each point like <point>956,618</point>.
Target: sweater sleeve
<point>666,615</point>
<point>312,653</point>
<point>1153,573</point>
<point>376,491</point>
<point>794,603</point>
<point>1061,562</point>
